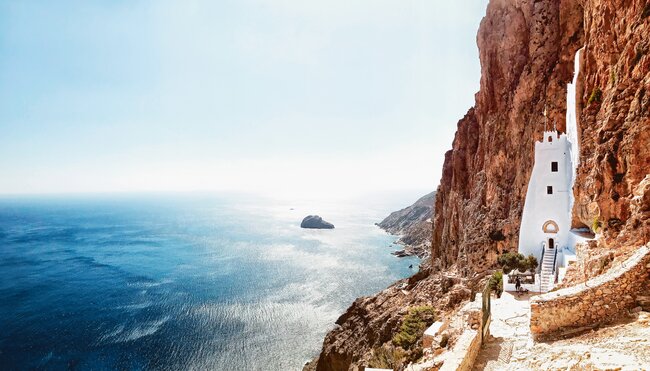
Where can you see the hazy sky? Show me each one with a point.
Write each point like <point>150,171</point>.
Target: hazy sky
<point>252,95</point>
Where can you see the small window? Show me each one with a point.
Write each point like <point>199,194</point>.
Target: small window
<point>550,138</point>
<point>554,167</point>
<point>549,190</point>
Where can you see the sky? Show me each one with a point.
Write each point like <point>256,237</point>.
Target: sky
<point>270,96</point>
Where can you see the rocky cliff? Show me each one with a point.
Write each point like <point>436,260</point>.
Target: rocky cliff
<point>372,321</point>
<point>615,122</point>
<point>526,50</point>
<point>413,225</point>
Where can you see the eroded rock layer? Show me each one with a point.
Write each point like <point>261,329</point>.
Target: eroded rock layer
<point>615,121</point>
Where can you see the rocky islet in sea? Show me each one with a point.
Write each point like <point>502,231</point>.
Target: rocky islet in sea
<point>315,222</point>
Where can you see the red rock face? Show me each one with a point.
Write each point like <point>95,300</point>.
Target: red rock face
<point>526,51</point>
<point>615,129</point>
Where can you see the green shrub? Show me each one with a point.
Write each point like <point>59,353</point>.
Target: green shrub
<point>532,262</point>
<point>413,325</point>
<point>595,225</point>
<point>496,283</point>
<point>511,261</point>
<point>612,76</point>
<point>386,357</point>
<point>596,96</point>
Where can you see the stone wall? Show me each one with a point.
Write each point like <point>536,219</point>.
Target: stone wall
<point>464,353</point>
<point>590,303</point>
<point>468,344</point>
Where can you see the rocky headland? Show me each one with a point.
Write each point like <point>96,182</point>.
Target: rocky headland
<point>526,50</point>
<point>413,226</point>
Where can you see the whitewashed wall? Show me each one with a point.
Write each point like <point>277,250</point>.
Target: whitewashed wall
<point>540,206</point>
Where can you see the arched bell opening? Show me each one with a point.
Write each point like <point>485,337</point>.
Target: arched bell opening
<point>550,226</point>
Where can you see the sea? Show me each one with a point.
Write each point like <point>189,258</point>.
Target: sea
<point>184,281</point>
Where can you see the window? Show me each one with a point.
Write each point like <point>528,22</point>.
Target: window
<point>554,166</point>
<point>549,190</point>
<point>550,138</point>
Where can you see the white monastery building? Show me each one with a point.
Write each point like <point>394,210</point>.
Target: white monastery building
<point>546,223</point>
<point>545,230</point>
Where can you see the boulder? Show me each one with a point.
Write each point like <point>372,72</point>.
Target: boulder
<point>315,222</point>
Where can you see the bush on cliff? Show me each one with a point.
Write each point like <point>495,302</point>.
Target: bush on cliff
<point>595,225</point>
<point>596,96</point>
<point>386,356</point>
<point>511,261</point>
<point>415,322</point>
<point>496,283</point>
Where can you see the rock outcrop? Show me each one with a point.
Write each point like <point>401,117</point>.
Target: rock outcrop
<point>315,222</point>
<point>413,225</point>
<point>371,321</point>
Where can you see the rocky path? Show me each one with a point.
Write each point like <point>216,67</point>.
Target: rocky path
<point>621,346</point>
<point>509,334</point>
<point>624,345</point>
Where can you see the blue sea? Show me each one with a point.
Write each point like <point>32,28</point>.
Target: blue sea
<point>183,282</point>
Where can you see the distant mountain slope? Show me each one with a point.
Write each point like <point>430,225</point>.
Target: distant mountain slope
<point>413,224</point>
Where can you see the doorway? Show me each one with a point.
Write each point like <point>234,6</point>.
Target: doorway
<point>551,243</point>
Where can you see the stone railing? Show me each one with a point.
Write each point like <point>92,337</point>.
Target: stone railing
<point>588,304</point>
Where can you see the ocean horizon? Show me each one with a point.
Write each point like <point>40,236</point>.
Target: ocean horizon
<point>184,281</point>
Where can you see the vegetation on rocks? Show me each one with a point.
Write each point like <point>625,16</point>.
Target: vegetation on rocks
<point>596,96</point>
<point>496,283</point>
<point>415,322</point>
<point>595,225</point>
<point>386,356</point>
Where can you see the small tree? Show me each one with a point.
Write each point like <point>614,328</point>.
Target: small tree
<point>496,283</point>
<point>415,322</point>
<point>511,261</point>
<point>532,262</point>
<point>508,261</point>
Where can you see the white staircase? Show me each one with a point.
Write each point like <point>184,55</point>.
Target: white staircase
<point>547,274</point>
